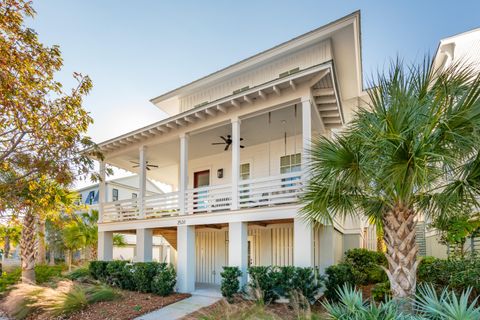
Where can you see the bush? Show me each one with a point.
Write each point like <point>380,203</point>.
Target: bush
<point>77,274</point>
<point>381,291</point>
<point>457,274</point>
<point>277,282</point>
<point>43,273</point>
<point>367,265</point>
<point>230,282</point>
<point>337,277</point>
<point>8,279</point>
<point>98,270</point>
<point>119,273</point>
<point>164,282</point>
<point>143,273</point>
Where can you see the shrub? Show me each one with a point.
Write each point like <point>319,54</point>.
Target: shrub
<point>230,282</point>
<point>262,279</point>
<point>143,273</point>
<point>381,291</point>
<point>277,282</point>
<point>119,273</point>
<point>8,279</point>
<point>337,277</point>
<point>77,274</point>
<point>164,282</point>
<point>457,274</point>
<point>367,265</point>
<point>44,273</point>
<point>98,269</point>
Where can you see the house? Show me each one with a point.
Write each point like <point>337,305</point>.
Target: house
<point>233,149</point>
<point>119,189</point>
<point>464,49</point>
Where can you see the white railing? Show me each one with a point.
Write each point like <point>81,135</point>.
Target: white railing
<point>161,205</point>
<point>252,193</point>
<point>121,210</point>
<point>209,199</point>
<point>270,191</point>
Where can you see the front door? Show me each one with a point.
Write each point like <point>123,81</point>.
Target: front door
<point>201,179</point>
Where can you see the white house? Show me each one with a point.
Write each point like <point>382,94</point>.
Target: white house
<point>234,150</point>
<point>463,48</point>
<point>123,189</point>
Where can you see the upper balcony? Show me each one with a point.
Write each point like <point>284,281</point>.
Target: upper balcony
<point>247,153</point>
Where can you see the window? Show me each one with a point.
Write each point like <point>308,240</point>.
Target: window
<point>114,194</point>
<point>245,171</point>
<point>134,195</point>
<point>90,197</point>
<point>291,163</point>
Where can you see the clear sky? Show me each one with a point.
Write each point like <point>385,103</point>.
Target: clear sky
<point>136,50</point>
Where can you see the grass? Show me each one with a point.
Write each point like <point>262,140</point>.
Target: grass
<point>68,297</point>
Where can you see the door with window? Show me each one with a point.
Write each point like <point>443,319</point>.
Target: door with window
<point>201,179</point>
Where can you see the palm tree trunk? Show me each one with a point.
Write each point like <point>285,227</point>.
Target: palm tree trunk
<point>27,247</point>
<point>41,253</point>
<point>93,252</point>
<point>399,236</point>
<point>6,246</point>
<point>52,257</point>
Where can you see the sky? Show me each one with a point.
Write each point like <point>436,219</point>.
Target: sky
<point>136,50</point>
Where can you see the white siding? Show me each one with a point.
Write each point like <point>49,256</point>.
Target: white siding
<point>304,58</point>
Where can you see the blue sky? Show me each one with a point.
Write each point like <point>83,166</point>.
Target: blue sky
<point>136,50</point>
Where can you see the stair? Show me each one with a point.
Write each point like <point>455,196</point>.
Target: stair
<point>170,235</point>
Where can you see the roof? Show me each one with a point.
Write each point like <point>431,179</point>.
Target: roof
<point>257,58</point>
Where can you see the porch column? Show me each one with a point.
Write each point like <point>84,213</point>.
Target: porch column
<point>183,182</point>
<point>101,191</point>
<point>142,180</point>
<point>144,245</point>
<point>186,259</point>
<point>302,243</point>
<point>306,130</point>
<point>235,161</point>
<point>327,247</point>
<point>238,248</point>
<point>105,246</point>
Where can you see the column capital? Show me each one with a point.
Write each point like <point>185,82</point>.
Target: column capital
<point>305,100</point>
<point>235,120</point>
<point>184,135</point>
<point>142,147</point>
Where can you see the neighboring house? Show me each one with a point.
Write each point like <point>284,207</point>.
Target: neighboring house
<point>463,48</point>
<point>118,190</point>
<point>233,148</point>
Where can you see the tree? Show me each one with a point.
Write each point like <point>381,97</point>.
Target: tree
<point>413,149</point>
<point>454,230</point>
<point>42,126</point>
<point>10,236</point>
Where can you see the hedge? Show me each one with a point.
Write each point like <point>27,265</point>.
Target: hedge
<point>280,282</point>
<point>150,277</point>
<point>230,282</point>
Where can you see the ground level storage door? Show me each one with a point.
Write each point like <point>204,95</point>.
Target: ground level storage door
<point>210,255</point>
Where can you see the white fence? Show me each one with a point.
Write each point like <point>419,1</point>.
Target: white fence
<point>209,199</point>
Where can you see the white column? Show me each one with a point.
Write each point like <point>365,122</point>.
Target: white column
<point>142,179</point>
<point>183,176</point>
<point>186,259</point>
<point>327,247</point>
<point>235,161</point>
<point>101,191</point>
<point>306,130</point>
<point>105,246</point>
<point>144,245</point>
<point>302,243</point>
<point>238,248</point>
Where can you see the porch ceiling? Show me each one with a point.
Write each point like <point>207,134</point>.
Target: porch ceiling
<point>254,130</point>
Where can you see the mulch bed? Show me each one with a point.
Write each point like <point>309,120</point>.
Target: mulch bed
<point>129,306</point>
<point>222,310</point>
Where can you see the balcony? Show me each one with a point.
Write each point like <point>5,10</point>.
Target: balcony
<point>257,193</point>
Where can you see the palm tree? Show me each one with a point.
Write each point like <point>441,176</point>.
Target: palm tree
<point>10,236</point>
<point>413,150</point>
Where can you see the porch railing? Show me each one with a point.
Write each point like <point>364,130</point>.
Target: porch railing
<point>209,199</point>
<point>270,191</point>
<point>252,193</point>
<point>160,205</point>
<point>121,210</point>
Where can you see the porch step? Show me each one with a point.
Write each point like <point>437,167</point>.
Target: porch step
<point>170,235</point>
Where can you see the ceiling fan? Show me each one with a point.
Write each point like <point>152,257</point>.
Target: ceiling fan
<point>137,164</point>
<point>227,141</point>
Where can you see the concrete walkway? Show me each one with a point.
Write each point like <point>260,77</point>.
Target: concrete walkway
<point>201,297</point>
